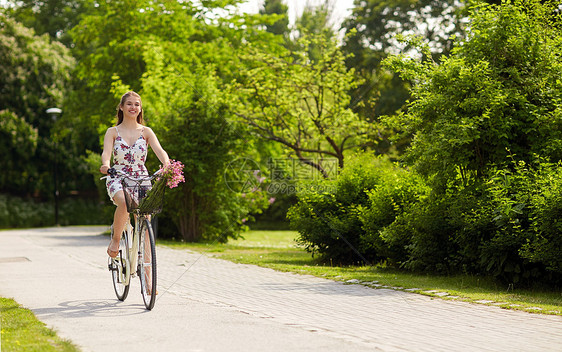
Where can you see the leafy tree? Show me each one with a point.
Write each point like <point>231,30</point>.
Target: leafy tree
<point>486,132</point>
<point>300,104</point>
<point>498,93</point>
<point>193,120</point>
<point>18,146</point>
<point>54,17</point>
<point>314,21</point>
<point>280,23</point>
<point>177,58</point>
<point>110,44</point>
<point>33,77</point>
<point>378,25</point>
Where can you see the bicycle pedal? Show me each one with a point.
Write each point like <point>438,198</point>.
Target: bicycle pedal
<point>112,265</point>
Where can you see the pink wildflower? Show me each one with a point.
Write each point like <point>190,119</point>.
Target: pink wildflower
<point>173,173</point>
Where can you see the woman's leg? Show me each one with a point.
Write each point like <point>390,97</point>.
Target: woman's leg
<point>120,219</point>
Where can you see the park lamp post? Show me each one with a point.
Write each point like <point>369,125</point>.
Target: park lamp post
<point>54,113</point>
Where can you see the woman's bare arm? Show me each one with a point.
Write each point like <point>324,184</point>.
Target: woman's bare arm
<point>156,147</point>
<point>108,141</point>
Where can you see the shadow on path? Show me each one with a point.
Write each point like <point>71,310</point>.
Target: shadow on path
<point>91,308</point>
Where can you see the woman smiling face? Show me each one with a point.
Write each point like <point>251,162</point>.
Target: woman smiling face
<point>131,107</point>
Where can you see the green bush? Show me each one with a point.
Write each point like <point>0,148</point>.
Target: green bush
<point>425,232</point>
<point>398,192</point>
<point>544,244</point>
<point>526,243</point>
<point>507,212</point>
<point>507,228</point>
<point>16,212</point>
<point>340,218</point>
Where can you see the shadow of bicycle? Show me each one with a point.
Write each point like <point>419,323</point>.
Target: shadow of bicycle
<point>91,308</point>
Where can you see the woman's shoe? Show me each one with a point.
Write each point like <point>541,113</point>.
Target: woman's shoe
<point>149,291</point>
<point>112,252</point>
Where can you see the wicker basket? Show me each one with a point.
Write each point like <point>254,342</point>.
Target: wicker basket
<point>141,197</point>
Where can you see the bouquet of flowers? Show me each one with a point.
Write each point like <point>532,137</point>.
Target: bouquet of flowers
<point>172,174</point>
<point>170,177</point>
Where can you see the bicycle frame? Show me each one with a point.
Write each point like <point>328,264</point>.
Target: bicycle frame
<point>136,242</point>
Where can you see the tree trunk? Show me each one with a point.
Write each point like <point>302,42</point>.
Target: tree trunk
<point>189,221</point>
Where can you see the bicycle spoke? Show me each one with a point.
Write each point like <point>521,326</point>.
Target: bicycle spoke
<point>148,266</point>
<point>119,269</point>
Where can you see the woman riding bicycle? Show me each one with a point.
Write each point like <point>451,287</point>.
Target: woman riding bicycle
<point>128,142</point>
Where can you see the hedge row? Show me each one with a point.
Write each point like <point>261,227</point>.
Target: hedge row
<point>508,226</point>
<point>16,212</point>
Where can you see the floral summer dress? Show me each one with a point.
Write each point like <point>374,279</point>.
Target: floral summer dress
<point>129,159</point>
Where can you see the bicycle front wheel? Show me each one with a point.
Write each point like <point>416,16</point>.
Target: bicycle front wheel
<point>147,265</point>
<point>119,267</point>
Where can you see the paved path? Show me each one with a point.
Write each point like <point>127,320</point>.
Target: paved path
<point>207,304</point>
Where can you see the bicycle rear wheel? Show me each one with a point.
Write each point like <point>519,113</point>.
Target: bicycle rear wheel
<point>120,269</point>
<point>147,265</point>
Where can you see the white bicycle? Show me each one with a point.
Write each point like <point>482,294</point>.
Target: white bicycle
<point>137,252</point>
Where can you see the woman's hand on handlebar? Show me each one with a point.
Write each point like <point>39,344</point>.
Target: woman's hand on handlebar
<point>104,169</point>
<point>110,172</point>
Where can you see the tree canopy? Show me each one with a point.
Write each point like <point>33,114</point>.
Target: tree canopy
<point>34,76</point>
<point>497,94</point>
<point>54,17</point>
<point>302,104</point>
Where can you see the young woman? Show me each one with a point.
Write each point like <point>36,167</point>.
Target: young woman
<point>128,142</point>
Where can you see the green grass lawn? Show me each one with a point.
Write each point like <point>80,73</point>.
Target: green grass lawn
<point>21,331</point>
<point>278,250</point>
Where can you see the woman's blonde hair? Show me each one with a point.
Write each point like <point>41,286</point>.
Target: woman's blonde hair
<point>123,100</point>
